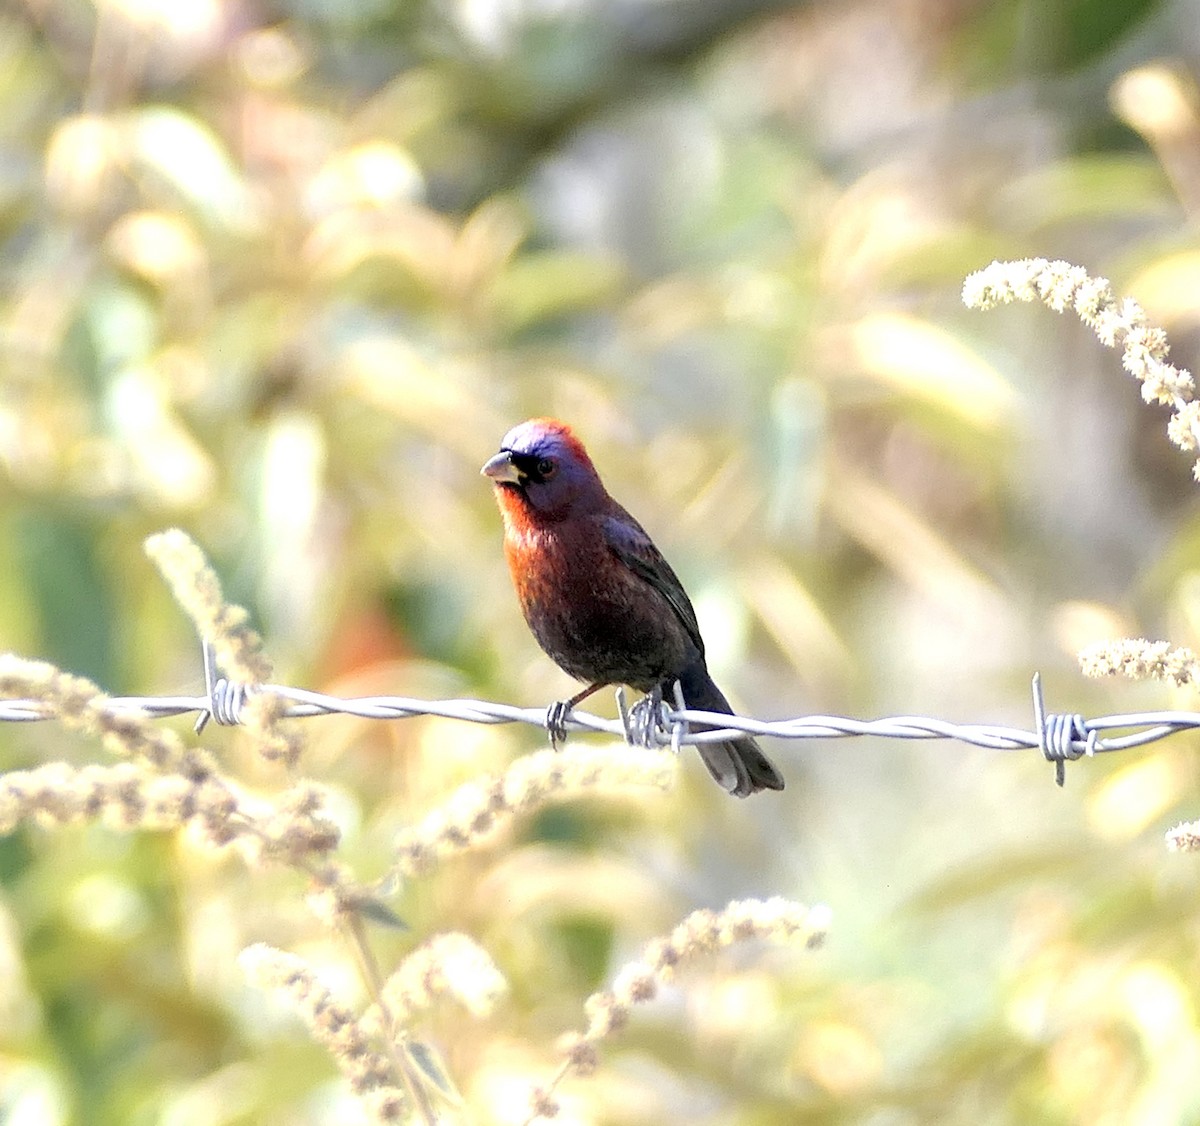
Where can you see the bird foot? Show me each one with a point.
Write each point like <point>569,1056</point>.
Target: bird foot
<point>556,722</point>
<point>644,719</point>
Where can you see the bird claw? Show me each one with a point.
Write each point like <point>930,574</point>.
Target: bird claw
<point>644,719</point>
<point>556,722</point>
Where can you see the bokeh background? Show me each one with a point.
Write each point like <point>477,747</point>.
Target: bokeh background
<point>282,274</point>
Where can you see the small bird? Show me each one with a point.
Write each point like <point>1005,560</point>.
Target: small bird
<point>598,595</point>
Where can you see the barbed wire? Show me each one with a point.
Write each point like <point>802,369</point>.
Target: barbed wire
<point>1061,737</point>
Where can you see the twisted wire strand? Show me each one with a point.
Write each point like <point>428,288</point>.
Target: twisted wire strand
<point>1061,737</point>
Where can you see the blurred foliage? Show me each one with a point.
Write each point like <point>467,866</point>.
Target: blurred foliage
<point>284,273</point>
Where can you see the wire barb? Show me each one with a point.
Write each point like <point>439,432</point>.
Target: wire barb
<point>626,717</point>
<point>679,726</point>
<point>1062,738</point>
<point>225,697</point>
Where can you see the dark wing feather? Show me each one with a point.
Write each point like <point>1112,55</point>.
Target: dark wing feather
<point>636,550</point>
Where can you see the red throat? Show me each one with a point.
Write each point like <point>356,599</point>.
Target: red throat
<point>519,515</point>
<point>522,525</point>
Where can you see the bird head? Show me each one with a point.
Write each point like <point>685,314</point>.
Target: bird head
<point>543,469</point>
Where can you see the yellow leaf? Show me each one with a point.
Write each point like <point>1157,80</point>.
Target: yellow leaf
<point>920,359</point>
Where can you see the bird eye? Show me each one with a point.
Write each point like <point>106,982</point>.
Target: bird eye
<point>546,468</point>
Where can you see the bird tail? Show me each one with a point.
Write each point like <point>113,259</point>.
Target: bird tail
<point>739,766</point>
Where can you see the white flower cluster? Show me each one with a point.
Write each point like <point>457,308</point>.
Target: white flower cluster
<point>1119,323</point>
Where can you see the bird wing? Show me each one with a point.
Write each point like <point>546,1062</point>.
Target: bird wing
<point>629,542</point>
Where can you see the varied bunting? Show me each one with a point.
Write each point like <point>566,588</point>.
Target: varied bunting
<point>597,594</point>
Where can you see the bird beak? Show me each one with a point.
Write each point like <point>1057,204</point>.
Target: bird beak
<point>502,470</point>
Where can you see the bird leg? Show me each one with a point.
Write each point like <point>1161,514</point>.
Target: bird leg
<point>557,713</point>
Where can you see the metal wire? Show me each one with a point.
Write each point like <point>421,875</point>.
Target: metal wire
<point>1061,737</point>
